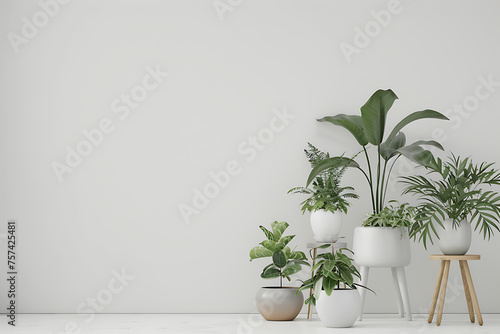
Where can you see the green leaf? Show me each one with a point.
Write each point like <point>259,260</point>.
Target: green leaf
<point>390,148</point>
<point>329,163</point>
<point>258,252</point>
<point>418,155</point>
<point>429,143</point>
<point>413,117</point>
<point>289,254</point>
<point>279,259</point>
<point>317,288</point>
<point>302,262</point>
<point>329,265</point>
<point>278,229</point>
<point>352,123</point>
<point>297,255</point>
<point>269,234</point>
<point>291,269</point>
<point>284,241</point>
<point>270,245</point>
<point>346,275</point>
<point>374,114</point>
<point>329,285</point>
<point>270,273</point>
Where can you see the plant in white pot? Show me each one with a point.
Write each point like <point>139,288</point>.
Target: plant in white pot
<point>337,300</point>
<point>454,200</point>
<point>327,200</point>
<point>391,225</point>
<point>278,303</point>
<point>369,128</point>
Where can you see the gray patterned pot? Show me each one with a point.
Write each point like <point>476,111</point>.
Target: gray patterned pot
<point>279,304</point>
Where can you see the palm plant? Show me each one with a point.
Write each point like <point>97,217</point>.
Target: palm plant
<point>369,128</point>
<point>457,194</point>
<point>326,193</point>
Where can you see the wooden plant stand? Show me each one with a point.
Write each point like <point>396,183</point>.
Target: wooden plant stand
<point>470,293</point>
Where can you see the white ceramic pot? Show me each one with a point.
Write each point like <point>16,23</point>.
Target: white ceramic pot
<point>326,225</point>
<point>341,309</point>
<point>279,304</point>
<point>381,247</point>
<point>454,240</point>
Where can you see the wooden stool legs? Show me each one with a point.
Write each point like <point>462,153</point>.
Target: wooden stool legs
<point>475,303</point>
<point>470,293</point>
<point>467,291</point>
<point>436,293</point>
<point>309,308</point>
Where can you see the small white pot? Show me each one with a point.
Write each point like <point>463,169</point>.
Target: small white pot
<point>454,240</point>
<point>339,310</point>
<point>381,247</point>
<point>326,225</point>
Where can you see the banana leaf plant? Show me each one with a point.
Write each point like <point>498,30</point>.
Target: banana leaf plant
<point>285,262</point>
<point>369,129</point>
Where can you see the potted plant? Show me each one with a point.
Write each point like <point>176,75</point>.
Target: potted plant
<point>337,300</point>
<point>454,200</point>
<point>369,128</point>
<point>391,225</point>
<point>278,303</point>
<point>327,200</point>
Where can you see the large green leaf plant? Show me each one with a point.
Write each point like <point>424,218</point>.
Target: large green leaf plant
<point>369,131</point>
<point>285,262</point>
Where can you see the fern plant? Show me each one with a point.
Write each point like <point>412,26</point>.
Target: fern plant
<point>285,262</point>
<point>456,194</point>
<point>326,192</point>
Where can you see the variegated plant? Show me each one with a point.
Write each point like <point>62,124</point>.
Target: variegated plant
<point>330,270</point>
<point>286,262</point>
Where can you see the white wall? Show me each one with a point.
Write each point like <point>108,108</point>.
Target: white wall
<point>120,207</point>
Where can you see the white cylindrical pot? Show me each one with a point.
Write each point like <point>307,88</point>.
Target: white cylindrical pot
<point>326,225</point>
<point>454,240</point>
<point>340,309</point>
<point>381,247</point>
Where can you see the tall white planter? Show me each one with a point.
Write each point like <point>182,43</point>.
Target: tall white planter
<point>381,247</point>
<point>454,240</point>
<point>384,247</point>
<point>340,309</point>
<point>326,225</point>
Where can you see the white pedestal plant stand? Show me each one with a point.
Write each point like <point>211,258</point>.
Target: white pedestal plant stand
<point>384,247</point>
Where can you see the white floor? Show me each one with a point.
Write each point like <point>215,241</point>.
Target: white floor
<point>237,324</point>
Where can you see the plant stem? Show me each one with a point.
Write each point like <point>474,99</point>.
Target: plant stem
<point>378,179</point>
<point>370,182</point>
<point>389,176</point>
<point>281,279</point>
<point>382,193</point>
